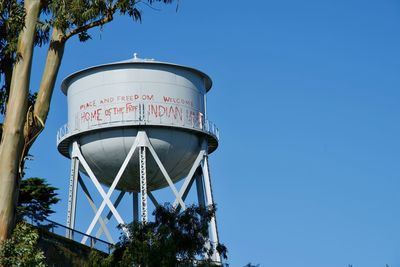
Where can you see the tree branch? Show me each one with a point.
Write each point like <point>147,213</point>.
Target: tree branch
<point>86,27</point>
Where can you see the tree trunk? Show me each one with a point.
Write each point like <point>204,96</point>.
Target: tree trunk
<point>53,62</point>
<point>37,117</point>
<point>12,142</point>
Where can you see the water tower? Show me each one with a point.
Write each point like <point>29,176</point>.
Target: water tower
<point>137,126</point>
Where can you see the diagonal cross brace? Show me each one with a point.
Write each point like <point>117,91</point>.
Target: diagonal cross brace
<point>110,214</point>
<point>189,179</point>
<point>106,197</point>
<point>94,208</point>
<point>153,199</point>
<point>141,140</point>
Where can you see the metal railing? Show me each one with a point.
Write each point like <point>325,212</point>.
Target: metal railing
<point>64,231</point>
<point>143,115</point>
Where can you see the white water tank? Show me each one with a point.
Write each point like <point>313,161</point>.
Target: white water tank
<point>108,104</point>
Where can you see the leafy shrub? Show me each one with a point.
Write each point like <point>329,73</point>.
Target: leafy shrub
<point>21,249</point>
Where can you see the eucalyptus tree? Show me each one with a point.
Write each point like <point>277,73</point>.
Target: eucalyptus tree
<point>24,24</point>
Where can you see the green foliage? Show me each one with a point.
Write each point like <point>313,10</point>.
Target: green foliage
<point>96,259</point>
<point>173,239</point>
<point>35,199</point>
<point>11,23</point>
<point>21,249</point>
<point>78,15</point>
<point>69,14</point>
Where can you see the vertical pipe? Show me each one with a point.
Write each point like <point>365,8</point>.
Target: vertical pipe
<point>143,183</point>
<point>73,187</point>
<point>205,106</point>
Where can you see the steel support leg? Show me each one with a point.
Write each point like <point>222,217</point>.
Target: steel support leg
<point>213,223</point>
<point>135,197</point>
<point>201,196</point>
<point>200,189</point>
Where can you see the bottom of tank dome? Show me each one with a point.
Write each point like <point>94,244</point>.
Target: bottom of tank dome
<point>105,150</point>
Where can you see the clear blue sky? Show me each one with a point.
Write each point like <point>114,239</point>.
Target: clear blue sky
<point>307,97</point>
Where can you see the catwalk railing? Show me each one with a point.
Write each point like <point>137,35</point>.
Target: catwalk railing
<point>143,115</point>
